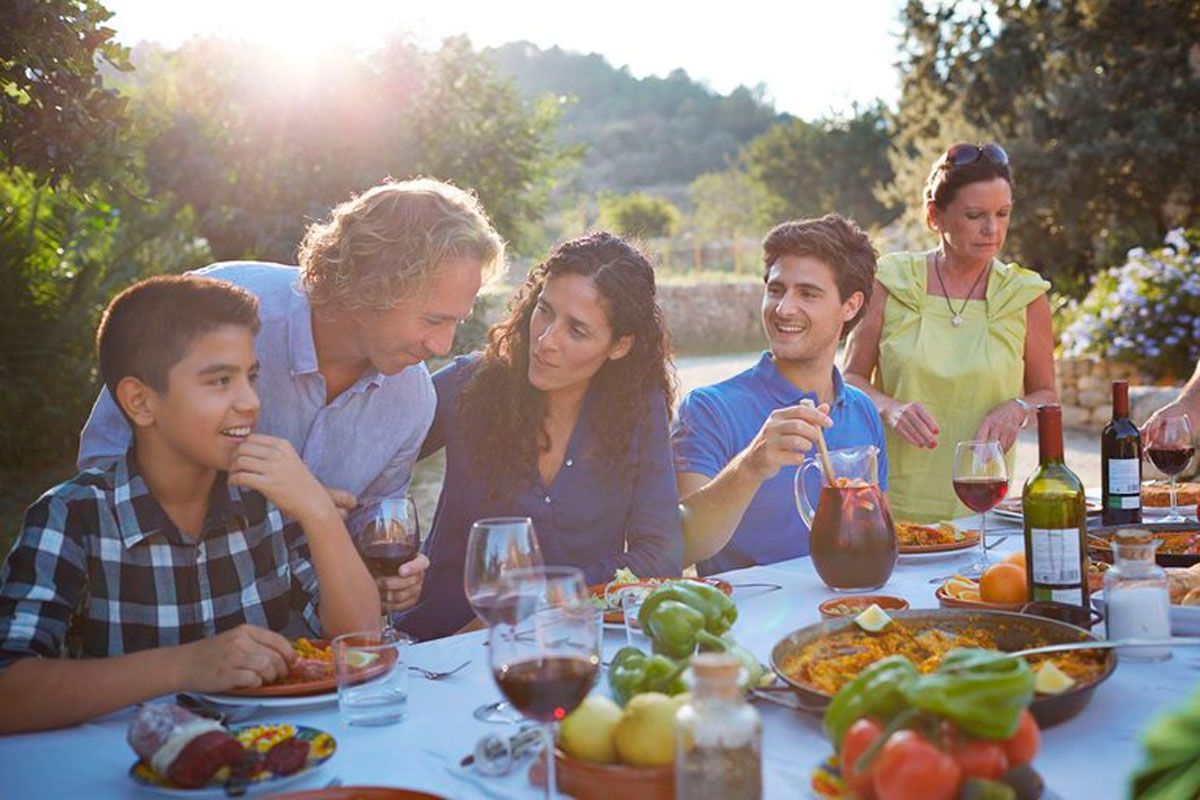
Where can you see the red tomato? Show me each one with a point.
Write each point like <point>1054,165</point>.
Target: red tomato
<point>910,768</point>
<point>861,735</point>
<point>1023,745</point>
<point>980,758</point>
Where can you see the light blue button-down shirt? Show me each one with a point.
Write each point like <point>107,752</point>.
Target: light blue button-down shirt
<point>364,442</point>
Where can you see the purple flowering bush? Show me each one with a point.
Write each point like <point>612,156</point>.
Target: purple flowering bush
<point>1145,312</point>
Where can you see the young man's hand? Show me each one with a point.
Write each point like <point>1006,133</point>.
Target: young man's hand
<point>784,439</point>
<point>243,658</point>
<point>270,465</point>
<point>402,591</point>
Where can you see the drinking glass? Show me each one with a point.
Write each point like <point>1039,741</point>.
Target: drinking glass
<point>1171,450</point>
<point>980,481</point>
<point>372,676</point>
<point>495,548</point>
<point>391,537</point>
<point>545,655</point>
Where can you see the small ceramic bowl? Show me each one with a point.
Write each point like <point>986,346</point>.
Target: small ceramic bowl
<point>946,601</point>
<point>853,605</point>
<point>587,780</point>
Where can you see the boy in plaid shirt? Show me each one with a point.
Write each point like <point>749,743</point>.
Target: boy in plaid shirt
<point>171,569</point>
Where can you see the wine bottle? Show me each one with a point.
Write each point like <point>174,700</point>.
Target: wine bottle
<point>1121,463</point>
<point>1055,520</point>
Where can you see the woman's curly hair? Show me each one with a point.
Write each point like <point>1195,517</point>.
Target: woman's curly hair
<point>503,414</point>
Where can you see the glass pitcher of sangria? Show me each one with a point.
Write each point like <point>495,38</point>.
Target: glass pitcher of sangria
<point>852,539</point>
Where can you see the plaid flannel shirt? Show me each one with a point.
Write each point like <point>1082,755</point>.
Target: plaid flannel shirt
<point>100,570</point>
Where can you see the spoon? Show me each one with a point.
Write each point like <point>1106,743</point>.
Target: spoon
<point>1108,644</point>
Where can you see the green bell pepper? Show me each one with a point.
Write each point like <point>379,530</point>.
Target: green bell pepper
<point>633,672</point>
<point>676,628</point>
<point>981,691</point>
<point>877,691</point>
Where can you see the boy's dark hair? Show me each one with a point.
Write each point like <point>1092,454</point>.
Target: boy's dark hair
<point>148,328</point>
<point>836,241</point>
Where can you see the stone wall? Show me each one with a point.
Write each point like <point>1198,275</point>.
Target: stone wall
<point>1085,388</point>
<point>709,318</point>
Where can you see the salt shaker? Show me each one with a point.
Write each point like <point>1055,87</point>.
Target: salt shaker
<point>1137,601</point>
<point>718,736</point>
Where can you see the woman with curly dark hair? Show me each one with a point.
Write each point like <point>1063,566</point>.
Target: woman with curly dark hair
<point>562,419</point>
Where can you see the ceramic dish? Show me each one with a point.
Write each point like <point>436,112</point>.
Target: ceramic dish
<point>359,793</point>
<point>321,748</point>
<point>588,780</point>
<point>853,605</point>
<point>1100,537</point>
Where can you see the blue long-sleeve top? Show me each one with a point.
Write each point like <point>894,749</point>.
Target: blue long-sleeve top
<point>596,515</point>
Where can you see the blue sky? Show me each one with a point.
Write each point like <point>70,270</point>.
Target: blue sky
<point>813,57</point>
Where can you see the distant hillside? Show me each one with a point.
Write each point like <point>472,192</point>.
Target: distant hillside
<point>640,133</point>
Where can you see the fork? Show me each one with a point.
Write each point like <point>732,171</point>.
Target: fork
<point>436,675</point>
<point>225,713</point>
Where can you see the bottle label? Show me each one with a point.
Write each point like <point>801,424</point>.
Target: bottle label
<point>1056,555</point>
<point>1124,478</point>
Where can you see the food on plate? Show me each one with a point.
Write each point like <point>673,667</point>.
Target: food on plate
<point>829,662</point>
<point>1176,543</point>
<point>873,620</point>
<point>910,534</point>
<point>181,747</point>
<point>1003,583</point>
<point>1158,495</point>
<point>849,606</point>
<point>962,588</point>
<point>1192,598</point>
<point>314,662</point>
<point>1181,582</point>
<point>962,731</point>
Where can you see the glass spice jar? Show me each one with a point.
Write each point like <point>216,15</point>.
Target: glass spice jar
<point>718,736</point>
<point>1137,603</point>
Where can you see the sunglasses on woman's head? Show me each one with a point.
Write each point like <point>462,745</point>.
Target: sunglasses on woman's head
<point>962,154</point>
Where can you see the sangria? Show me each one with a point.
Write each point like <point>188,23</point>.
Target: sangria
<point>852,537</point>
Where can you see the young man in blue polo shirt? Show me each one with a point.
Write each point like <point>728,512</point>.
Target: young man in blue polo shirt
<point>738,443</point>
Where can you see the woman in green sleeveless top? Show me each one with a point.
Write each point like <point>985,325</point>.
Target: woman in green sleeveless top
<point>956,345</point>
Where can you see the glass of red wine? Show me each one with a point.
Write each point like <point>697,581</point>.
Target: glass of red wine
<point>980,481</point>
<point>544,653</point>
<point>495,548</point>
<point>391,537</point>
<point>1171,450</point>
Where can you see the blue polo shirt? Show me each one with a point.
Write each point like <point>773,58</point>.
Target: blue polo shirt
<point>717,422</point>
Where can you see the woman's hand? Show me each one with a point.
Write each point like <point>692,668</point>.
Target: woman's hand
<point>1002,424</point>
<point>913,423</point>
<point>402,591</point>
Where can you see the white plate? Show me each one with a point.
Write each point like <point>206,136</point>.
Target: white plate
<point>324,698</point>
<point>973,550</point>
<point>1185,620</point>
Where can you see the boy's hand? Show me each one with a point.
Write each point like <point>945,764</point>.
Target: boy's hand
<point>401,592</point>
<point>270,465</point>
<point>786,436</point>
<point>243,658</point>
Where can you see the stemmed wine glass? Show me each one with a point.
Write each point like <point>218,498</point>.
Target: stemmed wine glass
<point>391,537</point>
<point>495,548</point>
<point>980,481</point>
<point>1171,449</point>
<point>545,651</point>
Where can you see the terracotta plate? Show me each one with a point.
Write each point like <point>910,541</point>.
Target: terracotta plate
<point>359,793</point>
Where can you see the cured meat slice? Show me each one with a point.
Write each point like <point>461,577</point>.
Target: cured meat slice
<point>178,745</point>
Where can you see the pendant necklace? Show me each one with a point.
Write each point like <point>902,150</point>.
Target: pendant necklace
<point>956,317</point>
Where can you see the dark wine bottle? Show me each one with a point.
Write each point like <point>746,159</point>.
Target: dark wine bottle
<point>1055,520</point>
<point>1121,463</point>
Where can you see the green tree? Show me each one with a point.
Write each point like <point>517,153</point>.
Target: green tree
<point>831,165</point>
<point>1095,100</point>
<point>639,215</point>
<point>728,205</point>
<point>57,119</point>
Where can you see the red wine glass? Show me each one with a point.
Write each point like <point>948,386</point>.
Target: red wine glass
<point>980,481</point>
<point>495,548</point>
<point>1171,450</point>
<point>545,653</point>
<point>390,538</point>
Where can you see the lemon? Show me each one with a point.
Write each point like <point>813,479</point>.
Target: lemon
<point>587,732</point>
<point>357,659</point>
<point>1051,680</point>
<point>645,735</point>
<point>873,620</point>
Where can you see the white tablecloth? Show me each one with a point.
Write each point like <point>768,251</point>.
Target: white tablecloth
<point>1091,756</point>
